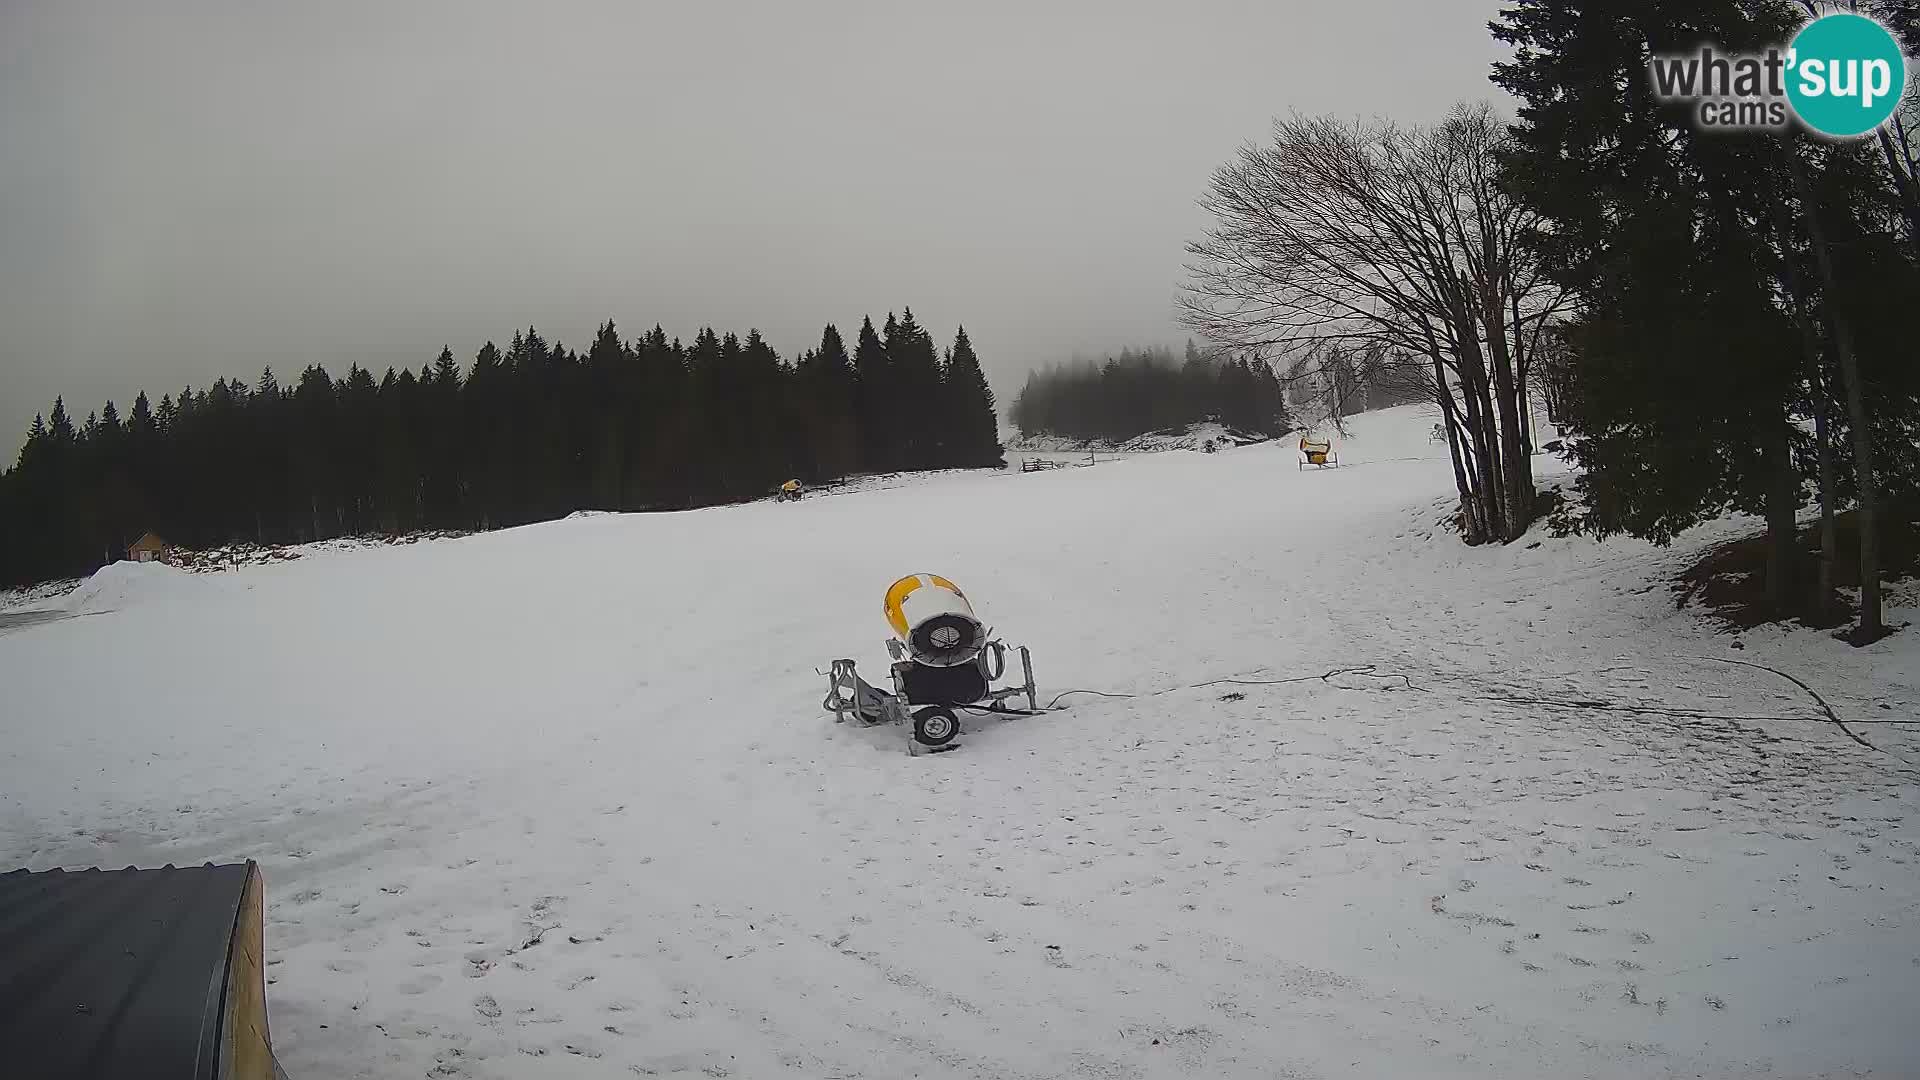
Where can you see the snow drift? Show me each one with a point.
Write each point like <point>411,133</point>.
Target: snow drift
<point>125,584</point>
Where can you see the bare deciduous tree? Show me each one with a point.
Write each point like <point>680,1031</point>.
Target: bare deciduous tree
<point>1397,242</point>
<point>1899,137</point>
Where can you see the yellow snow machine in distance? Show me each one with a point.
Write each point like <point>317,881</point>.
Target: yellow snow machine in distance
<point>1320,455</point>
<point>945,661</point>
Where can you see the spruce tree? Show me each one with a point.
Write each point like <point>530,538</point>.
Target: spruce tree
<point>140,420</point>
<point>438,410</point>
<point>974,426</point>
<point>607,375</point>
<point>915,367</point>
<point>879,407</point>
<point>60,429</point>
<point>766,417</point>
<point>1269,405</point>
<point>356,446</point>
<point>659,440</point>
<point>1684,361</point>
<point>446,371</point>
<point>827,386</point>
<point>484,407</point>
<point>710,418</point>
<point>315,479</point>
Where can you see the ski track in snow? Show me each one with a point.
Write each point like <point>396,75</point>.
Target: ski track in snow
<point>559,801</point>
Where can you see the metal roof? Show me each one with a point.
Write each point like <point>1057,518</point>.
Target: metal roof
<point>115,973</point>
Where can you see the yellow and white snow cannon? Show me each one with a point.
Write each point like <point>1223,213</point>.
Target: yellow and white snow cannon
<point>945,659</point>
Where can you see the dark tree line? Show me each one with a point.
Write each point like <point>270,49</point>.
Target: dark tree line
<point>1138,392</point>
<point>1744,328</point>
<point>524,434</point>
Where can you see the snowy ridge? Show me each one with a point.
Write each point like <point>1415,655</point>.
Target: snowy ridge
<point>1194,437</point>
<point>36,597</point>
<point>233,556</point>
<point>1191,437</point>
<point>559,801</point>
<point>123,584</point>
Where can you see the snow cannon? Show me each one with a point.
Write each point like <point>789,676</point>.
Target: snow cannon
<point>933,622</point>
<point>945,660</point>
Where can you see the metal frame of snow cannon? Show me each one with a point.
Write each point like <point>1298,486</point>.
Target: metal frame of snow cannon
<point>928,696</point>
<point>944,659</point>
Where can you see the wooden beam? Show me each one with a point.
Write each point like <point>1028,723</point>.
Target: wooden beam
<point>247,1053</point>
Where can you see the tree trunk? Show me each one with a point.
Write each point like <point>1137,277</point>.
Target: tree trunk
<point>1478,462</point>
<point>1909,188</point>
<point>1820,607</point>
<point>1871,628</point>
<point>1829,543</point>
<point>1783,488</point>
<point>1521,370</point>
<point>1516,469</point>
<point>1473,524</point>
<point>1480,427</point>
<point>1820,604</point>
<point>1486,436</point>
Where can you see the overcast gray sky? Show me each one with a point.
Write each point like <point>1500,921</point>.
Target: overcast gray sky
<point>190,190</point>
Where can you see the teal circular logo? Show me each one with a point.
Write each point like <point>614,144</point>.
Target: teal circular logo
<point>1845,75</point>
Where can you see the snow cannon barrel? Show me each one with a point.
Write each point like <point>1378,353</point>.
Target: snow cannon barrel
<point>931,616</point>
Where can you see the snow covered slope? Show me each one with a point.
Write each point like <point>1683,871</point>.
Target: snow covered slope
<point>559,801</point>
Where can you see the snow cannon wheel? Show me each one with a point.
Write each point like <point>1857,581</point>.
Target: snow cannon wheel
<point>935,725</point>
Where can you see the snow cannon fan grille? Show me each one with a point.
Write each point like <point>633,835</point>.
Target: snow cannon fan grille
<point>947,640</point>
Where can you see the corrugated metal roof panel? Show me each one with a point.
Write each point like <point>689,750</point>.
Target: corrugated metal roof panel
<point>115,973</point>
